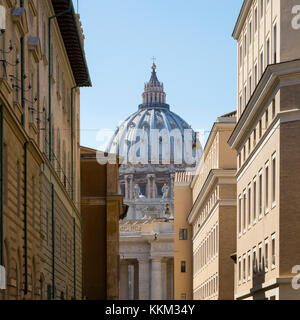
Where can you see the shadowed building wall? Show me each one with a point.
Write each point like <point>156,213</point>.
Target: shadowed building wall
<point>101,208</point>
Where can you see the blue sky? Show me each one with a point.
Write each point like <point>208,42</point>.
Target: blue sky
<point>195,57</point>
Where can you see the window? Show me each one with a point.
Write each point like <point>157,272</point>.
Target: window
<point>260,194</point>
<point>267,119</point>
<point>250,32</point>
<point>2,55</point>
<point>260,129</point>
<point>244,211</point>
<point>44,44</point>
<point>240,269</point>
<point>33,200</point>
<point>249,205</point>
<point>268,52</point>
<point>31,108</point>
<point>183,266</point>
<point>255,75</point>
<point>245,96</point>
<point>241,56</point>
<point>273,108</point>
<point>16,82</point>
<point>254,262</point>
<point>273,252</point>
<point>254,200</point>
<point>5,174</point>
<point>49,292</point>
<point>249,145</point>
<point>266,254</point>
<point>57,76</point>
<point>245,45</point>
<point>250,86</point>
<point>273,178</point>
<point>261,63</point>
<point>255,20</point>
<point>244,267</point>
<point>47,225</point>
<point>261,9</point>
<point>275,44</point>
<point>249,265</point>
<point>254,137</point>
<point>18,189</point>
<point>183,235</point>
<point>267,187</point>
<point>240,214</point>
<point>241,99</point>
<point>260,257</point>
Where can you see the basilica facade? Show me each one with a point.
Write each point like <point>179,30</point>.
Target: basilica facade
<point>153,143</point>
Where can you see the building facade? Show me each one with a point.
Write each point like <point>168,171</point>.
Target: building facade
<point>213,215</point>
<point>42,66</point>
<point>267,150</point>
<point>183,245</point>
<point>101,208</point>
<point>152,145</point>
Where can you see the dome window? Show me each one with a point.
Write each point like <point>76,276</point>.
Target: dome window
<point>173,124</point>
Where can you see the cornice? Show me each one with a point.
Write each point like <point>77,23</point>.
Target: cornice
<point>241,19</point>
<point>272,77</point>
<point>230,123</point>
<point>215,175</point>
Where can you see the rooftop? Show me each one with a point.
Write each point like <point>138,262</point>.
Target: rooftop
<point>74,45</point>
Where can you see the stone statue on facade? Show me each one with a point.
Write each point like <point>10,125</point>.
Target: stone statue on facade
<point>165,191</point>
<point>136,191</point>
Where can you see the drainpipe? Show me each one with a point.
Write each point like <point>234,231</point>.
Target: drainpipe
<point>25,220</point>
<point>53,240</point>
<point>22,73</point>
<point>50,74</point>
<point>1,188</point>
<point>74,235</point>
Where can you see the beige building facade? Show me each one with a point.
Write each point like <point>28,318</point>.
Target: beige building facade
<point>213,215</point>
<point>265,139</point>
<point>40,223</point>
<point>183,245</point>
